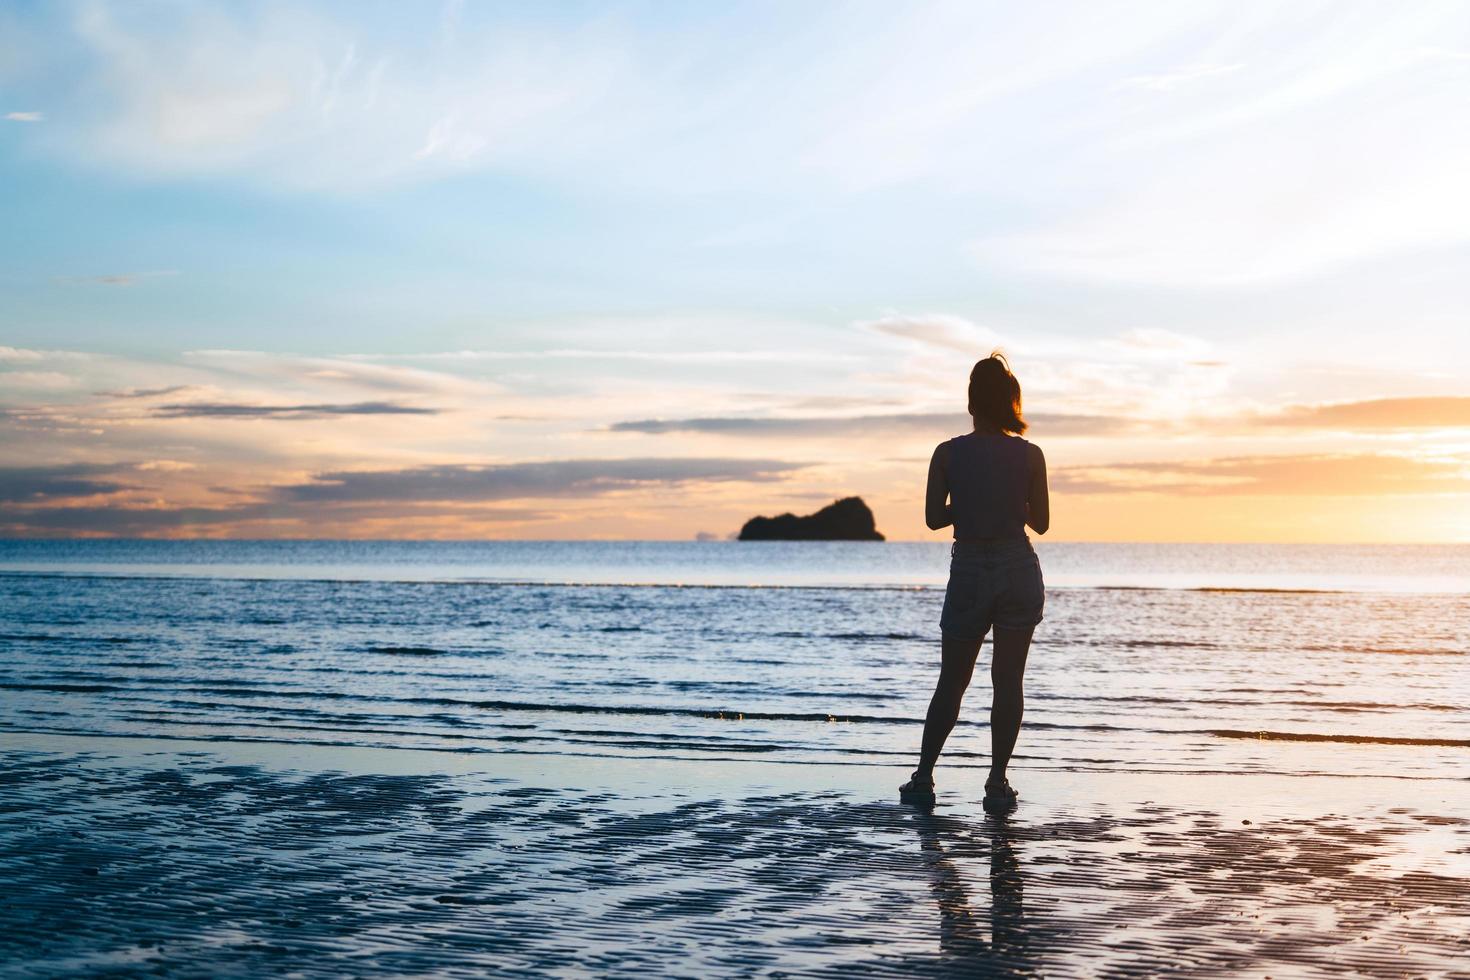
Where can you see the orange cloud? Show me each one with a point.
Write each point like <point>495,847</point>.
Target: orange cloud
<point>1380,413</point>
<point>1364,474</point>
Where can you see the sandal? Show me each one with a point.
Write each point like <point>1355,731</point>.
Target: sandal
<point>917,790</point>
<point>999,794</point>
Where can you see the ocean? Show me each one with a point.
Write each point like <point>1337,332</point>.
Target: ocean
<point>1291,659</point>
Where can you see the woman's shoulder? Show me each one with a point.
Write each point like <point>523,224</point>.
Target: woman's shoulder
<point>946,450</point>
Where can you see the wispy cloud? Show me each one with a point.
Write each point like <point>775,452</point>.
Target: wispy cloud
<point>296,97</point>
<point>1168,81</point>
<point>341,373</point>
<point>511,481</point>
<point>25,117</point>
<point>1289,475</point>
<point>934,424</point>
<point>1432,412</point>
<point>226,410</point>
<point>656,356</point>
<point>20,354</point>
<point>937,330</point>
<point>147,392</point>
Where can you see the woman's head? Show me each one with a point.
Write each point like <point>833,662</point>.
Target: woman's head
<point>995,395</point>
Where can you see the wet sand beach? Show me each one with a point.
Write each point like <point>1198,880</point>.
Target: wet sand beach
<point>193,858</point>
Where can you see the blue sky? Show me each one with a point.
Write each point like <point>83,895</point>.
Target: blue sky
<point>512,227</point>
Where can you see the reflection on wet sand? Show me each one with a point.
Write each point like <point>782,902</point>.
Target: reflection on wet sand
<point>231,859</point>
<point>995,938</point>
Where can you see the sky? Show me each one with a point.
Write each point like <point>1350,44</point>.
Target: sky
<point>576,270</point>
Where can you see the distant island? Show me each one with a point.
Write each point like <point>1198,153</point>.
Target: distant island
<point>848,519</point>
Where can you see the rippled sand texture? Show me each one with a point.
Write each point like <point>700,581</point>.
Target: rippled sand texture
<point>187,864</point>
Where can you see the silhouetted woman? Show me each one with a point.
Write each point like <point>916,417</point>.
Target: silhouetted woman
<point>989,484</point>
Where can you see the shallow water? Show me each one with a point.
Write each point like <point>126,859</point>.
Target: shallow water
<point>1293,659</point>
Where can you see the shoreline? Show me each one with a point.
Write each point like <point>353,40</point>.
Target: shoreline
<point>954,761</point>
<point>181,857</point>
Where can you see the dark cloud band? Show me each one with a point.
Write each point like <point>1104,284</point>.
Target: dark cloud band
<point>231,410</point>
<point>509,481</point>
<point>30,497</point>
<point>932,424</point>
<point>22,484</point>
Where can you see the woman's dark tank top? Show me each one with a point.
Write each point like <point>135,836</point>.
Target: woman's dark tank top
<point>989,478</point>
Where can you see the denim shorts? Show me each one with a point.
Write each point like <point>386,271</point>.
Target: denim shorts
<point>991,583</point>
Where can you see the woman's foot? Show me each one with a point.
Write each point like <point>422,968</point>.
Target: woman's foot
<point>919,789</point>
<point>999,795</point>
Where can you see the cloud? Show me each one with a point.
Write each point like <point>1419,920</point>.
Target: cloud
<point>37,379</point>
<point>27,354</point>
<point>25,117</point>
<point>443,496</point>
<point>669,356</point>
<point>1302,475</point>
<point>255,518</point>
<point>146,392</point>
<point>510,481</point>
<point>230,410</point>
<point>167,465</point>
<point>344,372</point>
<point>1360,120</point>
<point>1170,80</point>
<point>1450,411</point>
<point>1153,340</point>
<point>937,330</point>
<point>297,96</point>
<point>934,424</point>
<point>32,484</point>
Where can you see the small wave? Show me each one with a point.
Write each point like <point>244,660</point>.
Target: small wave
<point>1349,706</point>
<point>574,708</point>
<point>1393,651</point>
<point>62,688</point>
<point>850,637</point>
<point>397,651</point>
<point>66,638</point>
<point>1263,589</point>
<point>1188,702</point>
<point>1455,743</point>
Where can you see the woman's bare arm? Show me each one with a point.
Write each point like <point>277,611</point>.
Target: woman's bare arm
<point>937,513</point>
<point>1038,502</point>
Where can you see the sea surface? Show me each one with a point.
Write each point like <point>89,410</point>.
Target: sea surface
<point>1350,660</point>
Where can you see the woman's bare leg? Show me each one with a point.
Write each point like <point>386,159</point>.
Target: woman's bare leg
<point>958,663</point>
<point>1008,703</point>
